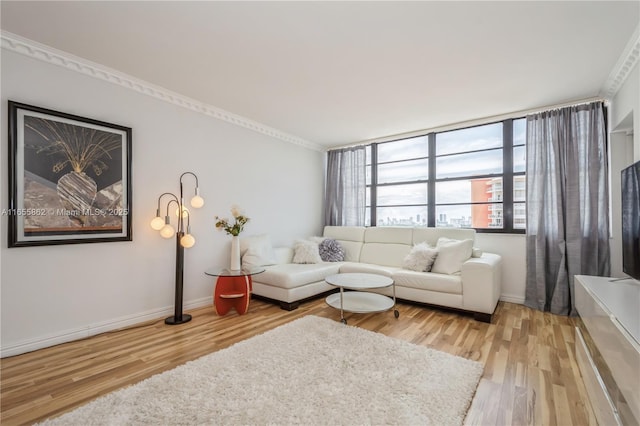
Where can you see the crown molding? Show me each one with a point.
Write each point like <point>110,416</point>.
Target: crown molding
<point>628,59</point>
<point>35,50</point>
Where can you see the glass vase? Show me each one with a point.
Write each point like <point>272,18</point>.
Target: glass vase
<point>235,253</point>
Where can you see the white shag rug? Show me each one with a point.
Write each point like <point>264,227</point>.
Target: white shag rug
<point>310,371</point>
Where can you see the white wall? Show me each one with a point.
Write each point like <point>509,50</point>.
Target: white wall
<point>620,154</point>
<point>512,248</point>
<point>625,118</point>
<point>626,102</point>
<point>57,293</point>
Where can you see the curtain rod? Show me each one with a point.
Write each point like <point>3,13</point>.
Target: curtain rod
<point>471,123</point>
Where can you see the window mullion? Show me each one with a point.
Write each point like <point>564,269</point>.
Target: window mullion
<point>374,184</point>
<point>431,184</point>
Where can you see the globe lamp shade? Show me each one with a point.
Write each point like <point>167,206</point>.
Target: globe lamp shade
<point>187,241</point>
<point>185,212</point>
<point>157,223</point>
<point>197,202</point>
<point>167,231</point>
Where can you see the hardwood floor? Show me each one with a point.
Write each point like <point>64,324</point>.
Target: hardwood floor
<point>530,376</point>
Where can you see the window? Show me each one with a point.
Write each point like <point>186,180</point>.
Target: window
<point>472,177</point>
<point>469,164</point>
<point>397,176</point>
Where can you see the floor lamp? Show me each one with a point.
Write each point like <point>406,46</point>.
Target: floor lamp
<point>184,239</point>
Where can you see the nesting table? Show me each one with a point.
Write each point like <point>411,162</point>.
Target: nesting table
<point>361,301</point>
<point>233,288</point>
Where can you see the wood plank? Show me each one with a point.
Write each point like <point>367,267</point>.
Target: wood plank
<point>530,377</point>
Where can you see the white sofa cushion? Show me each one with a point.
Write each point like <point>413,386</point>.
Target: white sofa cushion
<point>283,254</point>
<point>367,268</point>
<point>351,250</point>
<point>428,281</point>
<point>385,254</point>
<point>350,237</point>
<point>347,233</point>
<point>420,258</point>
<point>291,275</point>
<point>451,255</point>
<point>257,251</point>
<point>431,235</point>
<point>392,235</point>
<point>386,246</point>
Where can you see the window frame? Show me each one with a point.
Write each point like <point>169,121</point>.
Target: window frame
<point>508,175</point>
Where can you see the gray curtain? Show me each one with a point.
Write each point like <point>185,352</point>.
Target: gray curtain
<point>346,185</point>
<point>567,204</point>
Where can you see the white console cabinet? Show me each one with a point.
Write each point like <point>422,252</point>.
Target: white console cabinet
<point>608,348</point>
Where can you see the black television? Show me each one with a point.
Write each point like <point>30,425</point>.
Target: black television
<point>631,220</point>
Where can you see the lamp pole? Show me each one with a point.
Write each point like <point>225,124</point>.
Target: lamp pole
<point>178,317</point>
<point>184,239</point>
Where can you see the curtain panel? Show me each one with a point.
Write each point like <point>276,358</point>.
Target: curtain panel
<point>345,193</point>
<point>567,204</point>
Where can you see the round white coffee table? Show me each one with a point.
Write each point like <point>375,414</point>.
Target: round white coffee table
<point>361,301</point>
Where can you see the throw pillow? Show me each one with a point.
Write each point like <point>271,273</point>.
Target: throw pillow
<point>420,258</point>
<point>451,255</point>
<point>331,250</point>
<point>257,251</point>
<point>306,251</point>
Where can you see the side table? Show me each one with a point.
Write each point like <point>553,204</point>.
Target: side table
<point>232,289</point>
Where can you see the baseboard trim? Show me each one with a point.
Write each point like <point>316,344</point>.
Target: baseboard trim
<point>97,328</point>
<point>512,299</point>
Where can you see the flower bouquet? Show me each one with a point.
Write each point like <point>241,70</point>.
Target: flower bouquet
<point>238,225</point>
<point>234,229</point>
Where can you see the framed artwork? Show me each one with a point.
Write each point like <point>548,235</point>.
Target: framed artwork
<point>69,178</point>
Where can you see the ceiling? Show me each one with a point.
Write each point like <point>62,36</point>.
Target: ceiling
<point>336,73</point>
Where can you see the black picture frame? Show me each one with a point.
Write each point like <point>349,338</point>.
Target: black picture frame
<point>69,179</point>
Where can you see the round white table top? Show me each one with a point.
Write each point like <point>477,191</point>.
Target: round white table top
<point>356,281</point>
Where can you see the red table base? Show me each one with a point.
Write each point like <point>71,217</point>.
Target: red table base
<point>232,292</point>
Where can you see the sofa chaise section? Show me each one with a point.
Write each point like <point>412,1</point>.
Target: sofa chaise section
<point>290,283</point>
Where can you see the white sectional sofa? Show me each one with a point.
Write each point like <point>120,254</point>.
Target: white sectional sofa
<point>473,285</point>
